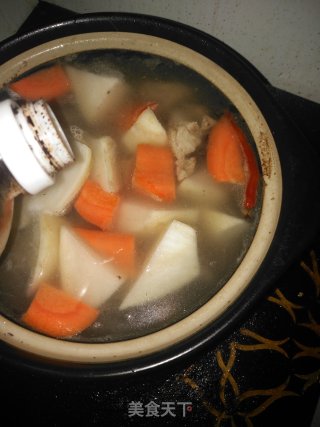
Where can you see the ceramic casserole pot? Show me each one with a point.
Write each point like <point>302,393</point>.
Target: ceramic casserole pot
<point>289,209</point>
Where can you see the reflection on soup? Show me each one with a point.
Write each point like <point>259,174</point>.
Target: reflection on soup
<point>153,217</point>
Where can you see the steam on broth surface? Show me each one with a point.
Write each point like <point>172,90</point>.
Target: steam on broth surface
<point>137,229</point>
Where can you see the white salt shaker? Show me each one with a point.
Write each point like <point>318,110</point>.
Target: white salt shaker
<point>33,149</point>
<point>33,145</point>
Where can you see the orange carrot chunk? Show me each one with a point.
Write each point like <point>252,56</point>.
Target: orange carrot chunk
<point>230,158</point>
<point>154,172</point>
<point>96,205</point>
<point>58,314</point>
<point>48,83</point>
<point>225,160</point>
<point>118,246</point>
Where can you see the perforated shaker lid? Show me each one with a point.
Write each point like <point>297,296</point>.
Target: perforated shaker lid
<point>32,144</point>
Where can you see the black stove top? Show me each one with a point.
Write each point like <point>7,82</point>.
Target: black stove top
<point>266,371</point>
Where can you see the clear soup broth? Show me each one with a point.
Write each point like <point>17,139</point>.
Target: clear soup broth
<point>148,223</point>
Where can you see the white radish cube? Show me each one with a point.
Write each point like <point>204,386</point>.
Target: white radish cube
<point>57,199</point>
<point>97,95</point>
<point>217,224</point>
<point>173,264</point>
<point>84,274</point>
<point>146,130</point>
<point>47,263</point>
<point>105,163</point>
<point>201,187</point>
<point>136,216</point>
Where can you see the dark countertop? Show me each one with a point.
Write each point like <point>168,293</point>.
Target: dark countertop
<point>267,370</point>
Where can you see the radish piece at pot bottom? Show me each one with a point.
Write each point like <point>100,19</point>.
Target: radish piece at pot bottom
<point>85,274</point>
<point>173,264</point>
<point>216,224</point>
<point>48,255</point>
<point>201,188</point>
<point>137,216</point>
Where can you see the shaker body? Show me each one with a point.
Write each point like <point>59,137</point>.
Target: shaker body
<point>33,149</point>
